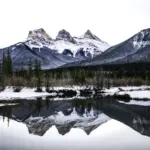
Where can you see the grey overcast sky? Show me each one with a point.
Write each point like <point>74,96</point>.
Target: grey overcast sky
<point>111,20</point>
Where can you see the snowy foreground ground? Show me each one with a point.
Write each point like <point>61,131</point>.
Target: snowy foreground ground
<point>29,93</point>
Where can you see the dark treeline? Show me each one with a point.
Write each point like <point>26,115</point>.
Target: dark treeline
<point>139,69</point>
<point>99,76</point>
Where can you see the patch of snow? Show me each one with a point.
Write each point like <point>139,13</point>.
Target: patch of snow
<point>139,41</point>
<point>131,90</point>
<point>92,43</point>
<point>68,98</point>
<point>19,44</point>
<point>128,88</point>
<point>8,104</point>
<point>13,48</point>
<point>137,94</point>
<point>111,91</point>
<point>140,44</point>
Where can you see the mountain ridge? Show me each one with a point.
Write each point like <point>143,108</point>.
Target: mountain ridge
<point>134,49</point>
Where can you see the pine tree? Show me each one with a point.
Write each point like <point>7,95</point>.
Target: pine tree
<point>30,68</point>
<point>108,81</point>
<point>37,70</point>
<point>22,71</point>
<point>47,80</point>
<point>9,64</point>
<point>4,64</point>
<point>39,73</point>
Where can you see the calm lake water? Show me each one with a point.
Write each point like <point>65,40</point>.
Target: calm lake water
<point>92,124</point>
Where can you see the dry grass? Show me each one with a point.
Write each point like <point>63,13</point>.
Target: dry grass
<point>67,81</point>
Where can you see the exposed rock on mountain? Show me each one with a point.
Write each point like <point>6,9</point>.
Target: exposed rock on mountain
<point>67,52</point>
<point>83,54</point>
<point>38,39</point>
<point>89,35</point>
<point>64,35</point>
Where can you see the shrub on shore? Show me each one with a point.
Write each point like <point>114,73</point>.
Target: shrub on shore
<point>124,97</point>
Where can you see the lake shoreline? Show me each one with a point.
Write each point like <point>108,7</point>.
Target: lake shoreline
<point>124,93</point>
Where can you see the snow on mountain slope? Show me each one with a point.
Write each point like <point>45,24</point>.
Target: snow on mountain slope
<point>142,39</point>
<point>89,43</point>
<point>22,54</point>
<point>95,47</point>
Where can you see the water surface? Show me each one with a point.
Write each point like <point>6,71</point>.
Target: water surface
<point>97,123</point>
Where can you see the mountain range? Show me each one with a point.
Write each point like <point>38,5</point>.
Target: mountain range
<point>53,53</point>
<point>86,50</point>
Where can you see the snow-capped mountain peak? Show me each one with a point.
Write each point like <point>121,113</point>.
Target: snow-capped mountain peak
<point>38,39</point>
<point>38,33</point>
<point>65,35</point>
<point>89,35</point>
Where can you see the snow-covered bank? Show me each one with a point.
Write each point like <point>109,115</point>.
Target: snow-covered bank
<point>29,93</point>
<point>139,92</point>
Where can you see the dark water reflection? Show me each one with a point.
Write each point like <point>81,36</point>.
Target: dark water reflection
<point>97,117</point>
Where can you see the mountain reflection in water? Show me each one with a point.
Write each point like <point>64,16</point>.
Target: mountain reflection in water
<point>40,115</point>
